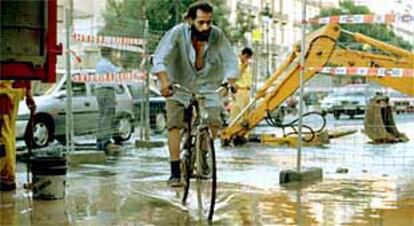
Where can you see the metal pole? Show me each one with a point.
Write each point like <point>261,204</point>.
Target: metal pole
<point>302,73</point>
<point>147,82</point>
<point>142,115</point>
<point>255,70</point>
<point>69,112</point>
<point>268,49</point>
<point>299,214</point>
<point>177,11</point>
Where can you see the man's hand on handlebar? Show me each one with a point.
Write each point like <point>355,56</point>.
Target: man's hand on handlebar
<point>166,90</point>
<point>229,86</point>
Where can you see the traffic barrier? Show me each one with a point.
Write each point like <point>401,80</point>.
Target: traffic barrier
<point>364,19</point>
<point>111,40</point>
<point>123,77</point>
<point>365,71</point>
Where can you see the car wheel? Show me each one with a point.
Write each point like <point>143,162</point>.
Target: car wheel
<point>160,122</point>
<point>124,129</point>
<point>42,132</point>
<point>61,139</point>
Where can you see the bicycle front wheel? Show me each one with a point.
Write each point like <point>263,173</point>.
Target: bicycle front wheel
<point>187,162</point>
<point>205,173</point>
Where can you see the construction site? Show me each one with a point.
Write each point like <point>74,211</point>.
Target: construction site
<point>325,138</point>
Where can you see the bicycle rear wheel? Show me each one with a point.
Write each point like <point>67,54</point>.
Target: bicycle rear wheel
<point>205,173</point>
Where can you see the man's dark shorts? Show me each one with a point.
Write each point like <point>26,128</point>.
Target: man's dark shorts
<point>175,115</point>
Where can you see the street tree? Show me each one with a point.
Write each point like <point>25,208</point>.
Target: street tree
<point>380,32</point>
<point>245,23</point>
<point>127,18</point>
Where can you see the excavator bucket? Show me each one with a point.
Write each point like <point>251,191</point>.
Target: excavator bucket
<point>379,122</point>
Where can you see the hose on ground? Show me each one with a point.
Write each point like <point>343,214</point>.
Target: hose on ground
<point>276,121</point>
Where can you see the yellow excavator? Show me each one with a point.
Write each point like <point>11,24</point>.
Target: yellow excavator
<point>322,49</point>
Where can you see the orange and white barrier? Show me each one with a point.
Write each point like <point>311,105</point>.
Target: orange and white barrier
<point>365,71</point>
<point>109,40</point>
<point>364,19</point>
<point>118,78</point>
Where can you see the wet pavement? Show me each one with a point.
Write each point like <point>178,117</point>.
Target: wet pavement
<point>130,189</point>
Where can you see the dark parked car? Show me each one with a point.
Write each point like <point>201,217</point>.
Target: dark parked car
<point>158,117</point>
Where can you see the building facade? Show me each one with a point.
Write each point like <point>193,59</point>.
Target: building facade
<point>277,23</point>
<point>86,19</point>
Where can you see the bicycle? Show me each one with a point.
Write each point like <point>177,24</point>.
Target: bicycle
<point>198,159</point>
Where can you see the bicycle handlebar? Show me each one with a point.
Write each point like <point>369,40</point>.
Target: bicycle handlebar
<point>186,90</point>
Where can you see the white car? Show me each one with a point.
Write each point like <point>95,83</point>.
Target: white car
<point>50,121</point>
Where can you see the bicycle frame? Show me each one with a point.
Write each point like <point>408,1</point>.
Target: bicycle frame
<point>198,132</point>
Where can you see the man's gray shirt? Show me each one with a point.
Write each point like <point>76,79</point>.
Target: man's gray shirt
<point>104,66</point>
<point>175,55</point>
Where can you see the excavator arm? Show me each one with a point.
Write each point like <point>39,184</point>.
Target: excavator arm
<point>321,50</point>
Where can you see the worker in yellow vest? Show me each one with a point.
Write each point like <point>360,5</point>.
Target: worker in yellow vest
<point>241,93</point>
<point>11,93</point>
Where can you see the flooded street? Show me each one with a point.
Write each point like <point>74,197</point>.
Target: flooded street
<point>130,189</point>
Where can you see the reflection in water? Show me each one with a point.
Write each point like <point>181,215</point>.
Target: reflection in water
<point>17,208</point>
<point>299,215</point>
<point>117,200</point>
<point>132,190</point>
<point>8,213</point>
<point>49,213</point>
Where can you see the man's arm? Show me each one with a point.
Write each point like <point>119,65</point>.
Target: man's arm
<point>230,62</point>
<point>163,53</point>
<point>165,84</point>
<point>114,69</point>
<point>29,100</point>
<point>27,87</point>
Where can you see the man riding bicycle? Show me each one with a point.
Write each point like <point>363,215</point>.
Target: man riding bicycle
<point>196,55</point>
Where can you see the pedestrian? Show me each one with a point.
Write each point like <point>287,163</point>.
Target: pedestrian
<point>106,98</point>
<point>11,92</point>
<point>241,93</point>
<point>196,55</point>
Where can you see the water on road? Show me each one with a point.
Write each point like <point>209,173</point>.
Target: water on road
<point>374,187</point>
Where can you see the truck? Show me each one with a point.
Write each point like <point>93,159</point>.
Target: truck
<point>28,40</point>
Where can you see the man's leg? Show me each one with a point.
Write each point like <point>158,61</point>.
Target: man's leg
<point>241,100</point>
<point>100,135</point>
<point>215,123</point>
<point>174,149</point>
<point>244,101</point>
<point>106,103</point>
<point>174,143</point>
<point>175,122</point>
<point>215,120</point>
<point>8,142</point>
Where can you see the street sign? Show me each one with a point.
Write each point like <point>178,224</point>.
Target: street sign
<point>257,35</point>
